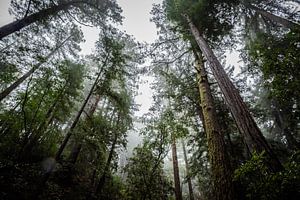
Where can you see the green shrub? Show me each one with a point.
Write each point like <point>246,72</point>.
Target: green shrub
<point>258,183</point>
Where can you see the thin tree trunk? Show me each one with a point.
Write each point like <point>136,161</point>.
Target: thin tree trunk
<point>6,47</point>
<point>70,132</point>
<point>245,123</point>
<point>220,165</point>
<point>78,146</point>
<point>41,15</point>
<point>178,193</point>
<point>75,152</point>
<point>107,166</point>
<point>279,20</point>
<point>36,134</point>
<point>189,181</point>
<point>46,176</point>
<point>13,86</point>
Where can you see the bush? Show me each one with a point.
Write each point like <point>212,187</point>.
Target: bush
<point>257,182</point>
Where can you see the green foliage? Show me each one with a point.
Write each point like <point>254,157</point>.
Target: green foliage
<point>115,189</point>
<point>213,18</point>
<point>36,116</point>
<point>278,61</point>
<point>93,12</point>
<point>145,176</point>
<point>259,183</point>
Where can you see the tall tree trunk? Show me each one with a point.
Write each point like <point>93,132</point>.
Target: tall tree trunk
<point>245,123</point>
<point>27,20</point>
<point>189,181</point>
<point>279,20</point>
<point>36,133</point>
<point>220,165</point>
<point>178,193</point>
<point>46,176</point>
<point>13,86</point>
<point>78,145</point>
<point>107,165</point>
<point>70,132</point>
<point>75,152</point>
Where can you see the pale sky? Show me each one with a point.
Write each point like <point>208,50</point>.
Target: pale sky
<point>136,23</point>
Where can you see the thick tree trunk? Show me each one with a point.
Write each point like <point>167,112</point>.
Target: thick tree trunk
<point>41,15</point>
<point>279,20</point>
<point>178,193</point>
<point>189,181</point>
<point>245,123</point>
<point>13,86</point>
<point>220,165</point>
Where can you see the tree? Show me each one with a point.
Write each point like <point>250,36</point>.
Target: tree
<point>279,79</point>
<point>187,168</point>
<point>274,18</point>
<point>247,126</point>
<point>145,175</point>
<point>221,170</point>
<point>178,193</point>
<point>20,80</point>
<point>92,11</point>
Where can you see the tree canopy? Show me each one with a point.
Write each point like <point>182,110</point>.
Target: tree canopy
<point>214,131</point>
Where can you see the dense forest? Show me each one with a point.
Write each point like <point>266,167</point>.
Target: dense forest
<point>229,132</point>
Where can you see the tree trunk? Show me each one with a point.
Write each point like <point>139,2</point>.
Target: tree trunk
<point>107,165</point>
<point>279,20</point>
<point>70,132</point>
<point>75,152</point>
<point>36,134</point>
<point>189,181</point>
<point>220,165</point>
<point>245,123</point>
<point>77,146</point>
<point>178,193</point>
<point>46,176</point>
<point>41,15</point>
<point>13,86</point>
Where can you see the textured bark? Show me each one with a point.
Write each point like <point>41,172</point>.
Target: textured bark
<point>279,20</point>
<point>13,86</point>
<point>178,193</point>
<point>189,181</point>
<point>27,20</point>
<point>252,136</point>
<point>220,165</point>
